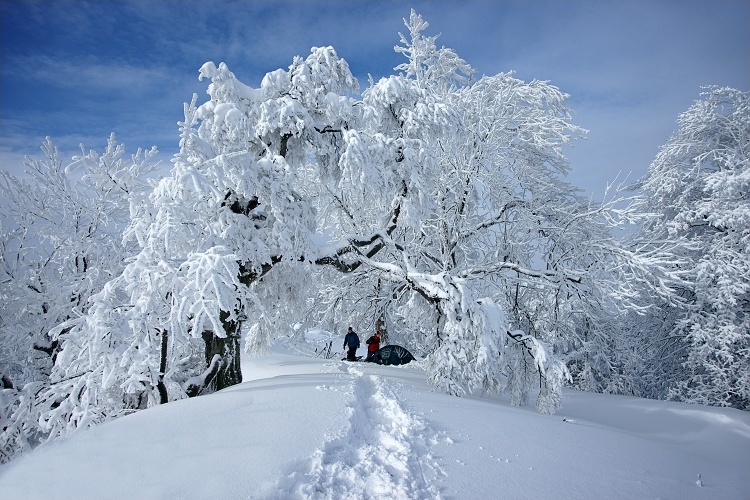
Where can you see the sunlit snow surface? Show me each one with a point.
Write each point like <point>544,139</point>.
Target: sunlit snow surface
<point>304,427</point>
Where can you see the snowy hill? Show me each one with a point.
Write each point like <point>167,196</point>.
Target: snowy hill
<point>305,427</point>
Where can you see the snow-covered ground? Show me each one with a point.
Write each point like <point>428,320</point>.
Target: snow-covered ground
<point>303,427</point>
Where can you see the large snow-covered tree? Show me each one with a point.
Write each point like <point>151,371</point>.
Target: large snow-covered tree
<point>699,188</point>
<point>61,241</point>
<point>230,211</point>
<point>490,238</point>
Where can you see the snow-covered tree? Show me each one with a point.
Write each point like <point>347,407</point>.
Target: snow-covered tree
<point>61,241</point>
<point>230,211</point>
<point>699,186</point>
<point>471,176</point>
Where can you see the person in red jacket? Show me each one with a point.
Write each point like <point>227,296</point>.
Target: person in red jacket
<point>373,344</point>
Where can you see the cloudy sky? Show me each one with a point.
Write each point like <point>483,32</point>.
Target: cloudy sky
<point>77,70</point>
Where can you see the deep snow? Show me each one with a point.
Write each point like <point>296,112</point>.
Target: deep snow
<point>306,427</point>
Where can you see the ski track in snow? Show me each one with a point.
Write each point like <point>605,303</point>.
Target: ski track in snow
<point>384,454</point>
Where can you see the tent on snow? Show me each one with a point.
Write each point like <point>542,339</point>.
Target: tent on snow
<point>392,355</point>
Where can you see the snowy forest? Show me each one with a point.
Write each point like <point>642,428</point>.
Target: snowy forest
<point>433,203</point>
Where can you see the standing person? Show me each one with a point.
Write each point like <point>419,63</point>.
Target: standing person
<point>373,344</point>
<point>351,341</point>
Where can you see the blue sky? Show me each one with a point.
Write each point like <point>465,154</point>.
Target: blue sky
<point>77,70</point>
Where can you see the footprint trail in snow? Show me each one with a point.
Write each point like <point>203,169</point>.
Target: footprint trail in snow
<point>383,455</point>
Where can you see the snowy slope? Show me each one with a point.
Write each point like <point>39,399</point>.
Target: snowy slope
<point>304,427</point>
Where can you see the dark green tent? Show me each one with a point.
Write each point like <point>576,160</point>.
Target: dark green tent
<point>392,355</point>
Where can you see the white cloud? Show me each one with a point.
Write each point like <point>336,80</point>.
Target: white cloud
<point>87,75</point>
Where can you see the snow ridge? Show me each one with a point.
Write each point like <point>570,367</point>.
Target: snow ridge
<point>383,455</point>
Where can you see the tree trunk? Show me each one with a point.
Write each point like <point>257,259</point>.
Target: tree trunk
<point>160,386</point>
<point>381,327</point>
<point>228,348</point>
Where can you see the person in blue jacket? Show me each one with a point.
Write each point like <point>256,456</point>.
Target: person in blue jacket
<point>351,341</point>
